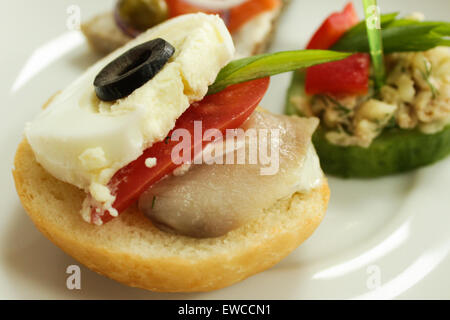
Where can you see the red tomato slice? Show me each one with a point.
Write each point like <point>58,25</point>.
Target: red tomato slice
<point>235,17</point>
<point>350,76</point>
<point>333,28</point>
<point>227,109</point>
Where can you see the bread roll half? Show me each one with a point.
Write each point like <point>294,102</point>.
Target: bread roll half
<point>131,250</point>
<point>104,36</point>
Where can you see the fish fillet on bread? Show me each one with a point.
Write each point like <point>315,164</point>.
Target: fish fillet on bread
<point>255,221</point>
<point>131,250</point>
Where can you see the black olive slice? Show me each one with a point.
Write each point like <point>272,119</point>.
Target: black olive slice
<point>132,69</point>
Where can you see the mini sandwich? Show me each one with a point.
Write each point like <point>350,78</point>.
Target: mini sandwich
<point>374,125</point>
<point>251,22</point>
<point>155,167</point>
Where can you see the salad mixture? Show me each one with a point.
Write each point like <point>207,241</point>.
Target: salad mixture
<point>416,95</point>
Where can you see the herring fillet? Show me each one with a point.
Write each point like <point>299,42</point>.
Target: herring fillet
<point>210,200</point>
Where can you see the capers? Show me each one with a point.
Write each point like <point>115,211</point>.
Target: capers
<point>141,15</point>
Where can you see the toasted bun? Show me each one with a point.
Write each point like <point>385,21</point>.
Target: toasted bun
<point>131,250</point>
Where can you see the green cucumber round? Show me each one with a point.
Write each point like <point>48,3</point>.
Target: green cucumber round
<point>394,151</point>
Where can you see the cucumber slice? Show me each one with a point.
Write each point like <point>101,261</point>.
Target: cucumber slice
<point>296,89</point>
<point>394,151</point>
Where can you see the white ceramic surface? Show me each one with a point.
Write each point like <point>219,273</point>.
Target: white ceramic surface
<point>393,231</point>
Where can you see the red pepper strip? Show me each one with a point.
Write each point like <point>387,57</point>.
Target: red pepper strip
<point>333,28</point>
<point>348,76</point>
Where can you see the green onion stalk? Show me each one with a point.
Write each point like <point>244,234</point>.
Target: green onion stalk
<point>373,27</point>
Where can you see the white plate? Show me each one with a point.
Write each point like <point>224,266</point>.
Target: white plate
<point>383,238</point>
